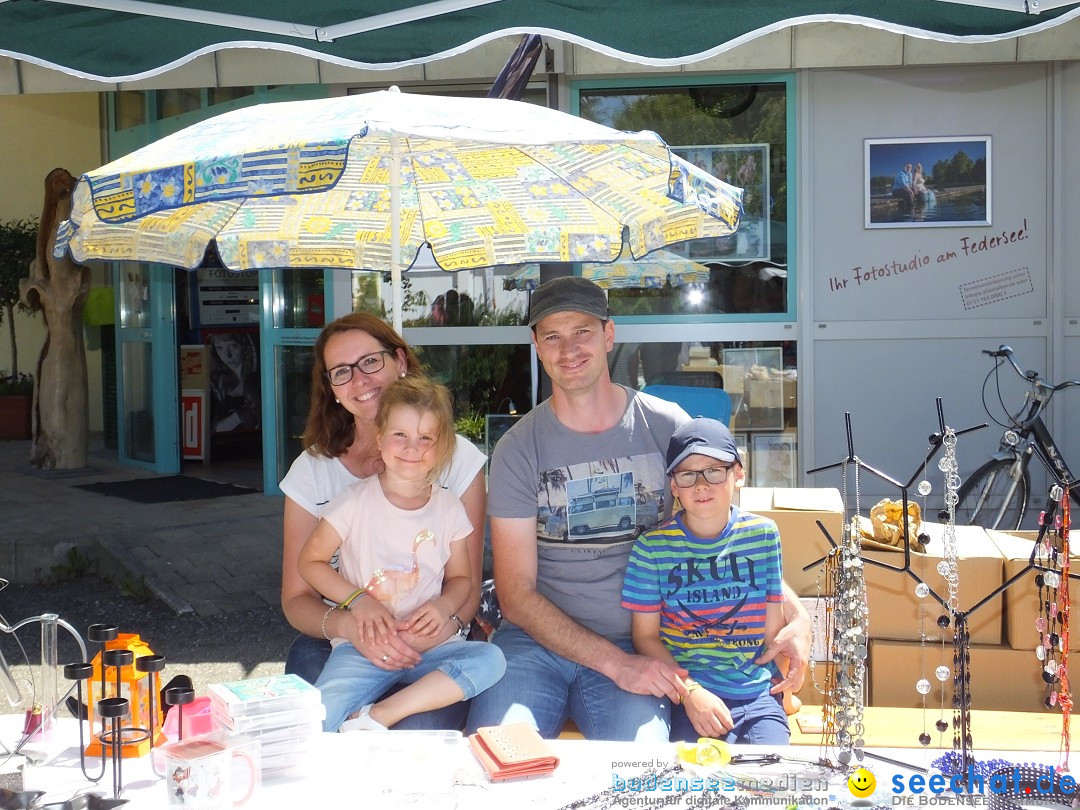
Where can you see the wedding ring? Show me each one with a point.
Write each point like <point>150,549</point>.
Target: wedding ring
<point>385,658</point>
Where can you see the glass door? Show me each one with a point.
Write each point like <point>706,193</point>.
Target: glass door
<point>147,390</point>
<point>294,306</point>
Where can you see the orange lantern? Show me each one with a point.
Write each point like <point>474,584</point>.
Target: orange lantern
<point>126,667</point>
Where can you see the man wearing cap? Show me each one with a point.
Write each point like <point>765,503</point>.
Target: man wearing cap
<point>593,452</point>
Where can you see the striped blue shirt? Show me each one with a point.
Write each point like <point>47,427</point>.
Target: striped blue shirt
<point>711,594</point>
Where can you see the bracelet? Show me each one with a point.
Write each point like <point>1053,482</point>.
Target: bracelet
<point>348,603</point>
<point>326,616</point>
<point>461,628</point>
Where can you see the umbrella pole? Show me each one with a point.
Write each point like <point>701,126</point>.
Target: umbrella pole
<point>395,231</point>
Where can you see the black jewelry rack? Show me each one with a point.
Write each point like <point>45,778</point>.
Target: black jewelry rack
<point>958,618</point>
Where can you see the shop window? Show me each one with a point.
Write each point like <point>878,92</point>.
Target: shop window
<point>739,133</point>
<point>171,103</point>
<point>293,365</point>
<point>302,301</point>
<point>220,95</point>
<point>761,382</point>
<point>433,297</point>
<point>129,109</point>
<point>484,379</point>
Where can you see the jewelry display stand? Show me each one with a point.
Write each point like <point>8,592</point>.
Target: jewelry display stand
<point>954,616</point>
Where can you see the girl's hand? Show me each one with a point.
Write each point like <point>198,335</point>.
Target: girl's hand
<point>374,623</point>
<point>708,713</point>
<point>427,620</point>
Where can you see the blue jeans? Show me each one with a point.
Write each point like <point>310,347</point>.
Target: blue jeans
<point>349,681</point>
<point>543,689</point>
<point>307,657</point>
<point>758,721</point>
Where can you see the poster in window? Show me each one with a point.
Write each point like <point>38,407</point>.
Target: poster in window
<point>746,166</point>
<point>774,460</point>
<point>235,394</point>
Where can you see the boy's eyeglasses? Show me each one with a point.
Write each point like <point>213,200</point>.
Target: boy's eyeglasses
<point>368,364</point>
<point>684,479</point>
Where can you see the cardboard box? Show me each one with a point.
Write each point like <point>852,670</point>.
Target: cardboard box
<point>1022,597</point>
<point>896,666</point>
<point>894,607</point>
<point>768,394</point>
<point>796,512</point>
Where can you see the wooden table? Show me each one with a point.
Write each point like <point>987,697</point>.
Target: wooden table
<point>889,727</point>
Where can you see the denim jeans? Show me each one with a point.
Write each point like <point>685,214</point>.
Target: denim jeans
<point>543,689</point>
<point>307,657</point>
<point>349,681</point>
<point>758,721</point>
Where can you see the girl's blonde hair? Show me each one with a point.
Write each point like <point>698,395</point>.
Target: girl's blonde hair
<point>424,396</point>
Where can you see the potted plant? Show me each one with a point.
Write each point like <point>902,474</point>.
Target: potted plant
<point>18,246</point>
<point>471,426</point>
<point>16,398</point>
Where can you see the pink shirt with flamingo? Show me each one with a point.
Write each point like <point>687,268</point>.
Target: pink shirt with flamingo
<point>379,538</point>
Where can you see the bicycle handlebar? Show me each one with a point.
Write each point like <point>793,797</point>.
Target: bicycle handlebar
<point>1031,376</point>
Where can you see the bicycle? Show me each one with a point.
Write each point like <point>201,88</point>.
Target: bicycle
<point>996,495</point>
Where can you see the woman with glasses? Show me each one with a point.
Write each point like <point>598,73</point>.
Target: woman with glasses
<point>355,359</point>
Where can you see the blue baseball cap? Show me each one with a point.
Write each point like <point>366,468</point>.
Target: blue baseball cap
<point>704,437</point>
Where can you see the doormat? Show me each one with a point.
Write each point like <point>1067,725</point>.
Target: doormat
<point>167,488</point>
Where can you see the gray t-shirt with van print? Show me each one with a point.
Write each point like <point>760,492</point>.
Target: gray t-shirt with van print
<point>592,494</point>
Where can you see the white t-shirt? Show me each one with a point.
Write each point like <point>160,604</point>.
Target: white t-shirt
<point>410,546</point>
<point>313,480</point>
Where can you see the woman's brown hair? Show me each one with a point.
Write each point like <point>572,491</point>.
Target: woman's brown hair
<point>423,395</point>
<point>330,429</point>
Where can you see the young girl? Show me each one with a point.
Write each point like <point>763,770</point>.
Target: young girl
<point>402,566</point>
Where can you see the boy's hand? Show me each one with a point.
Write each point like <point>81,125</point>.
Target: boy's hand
<point>708,713</point>
<point>373,621</point>
<point>427,620</point>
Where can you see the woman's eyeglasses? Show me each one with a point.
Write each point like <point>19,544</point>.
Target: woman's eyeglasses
<point>684,479</point>
<point>368,364</point>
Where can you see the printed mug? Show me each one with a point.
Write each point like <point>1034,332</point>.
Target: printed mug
<point>206,774</point>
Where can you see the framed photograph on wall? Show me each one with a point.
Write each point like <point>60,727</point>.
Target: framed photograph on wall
<point>774,460</point>
<point>927,182</point>
<point>745,165</point>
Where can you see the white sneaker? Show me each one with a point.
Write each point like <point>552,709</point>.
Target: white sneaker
<point>362,721</point>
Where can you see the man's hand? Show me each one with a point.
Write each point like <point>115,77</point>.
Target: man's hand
<point>791,642</point>
<point>643,675</point>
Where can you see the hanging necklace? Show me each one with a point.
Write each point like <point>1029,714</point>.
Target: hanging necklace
<point>922,591</point>
<point>1065,600</point>
<point>850,632</point>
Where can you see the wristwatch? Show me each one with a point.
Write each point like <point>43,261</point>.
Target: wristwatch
<point>462,628</point>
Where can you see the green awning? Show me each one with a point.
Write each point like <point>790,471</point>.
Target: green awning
<point>81,38</point>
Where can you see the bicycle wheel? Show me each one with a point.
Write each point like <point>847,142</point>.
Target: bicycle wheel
<point>983,495</point>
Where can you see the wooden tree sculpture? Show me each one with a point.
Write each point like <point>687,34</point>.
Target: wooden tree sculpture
<point>58,287</point>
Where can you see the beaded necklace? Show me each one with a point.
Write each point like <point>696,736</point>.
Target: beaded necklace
<point>1052,559</point>
<point>849,633</point>
<point>1065,600</point>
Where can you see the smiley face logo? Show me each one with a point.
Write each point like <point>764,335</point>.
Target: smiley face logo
<point>861,783</point>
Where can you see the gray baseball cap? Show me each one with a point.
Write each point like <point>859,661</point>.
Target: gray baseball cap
<point>701,436</point>
<point>567,294</point>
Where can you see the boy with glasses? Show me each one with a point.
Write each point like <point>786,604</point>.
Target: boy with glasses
<point>706,594</point>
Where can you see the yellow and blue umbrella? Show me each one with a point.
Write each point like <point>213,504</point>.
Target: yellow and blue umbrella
<point>336,182</point>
